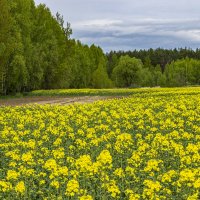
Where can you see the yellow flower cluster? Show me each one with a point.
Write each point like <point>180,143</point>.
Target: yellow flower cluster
<point>72,187</point>
<point>146,146</point>
<point>117,91</point>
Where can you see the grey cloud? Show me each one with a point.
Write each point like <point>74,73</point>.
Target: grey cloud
<point>130,24</point>
<point>146,34</point>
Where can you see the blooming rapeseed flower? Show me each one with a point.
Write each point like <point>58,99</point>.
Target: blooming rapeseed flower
<point>20,187</point>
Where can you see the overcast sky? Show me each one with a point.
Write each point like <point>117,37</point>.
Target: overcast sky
<point>132,24</point>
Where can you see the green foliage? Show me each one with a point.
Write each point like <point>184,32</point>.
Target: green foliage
<point>19,74</point>
<point>145,77</point>
<point>5,42</point>
<point>100,77</point>
<point>183,72</point>
<point>82,66</point>
<point>112,62</point>
<point>127,72</point>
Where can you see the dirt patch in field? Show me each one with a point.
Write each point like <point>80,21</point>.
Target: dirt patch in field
<point>52,100</point>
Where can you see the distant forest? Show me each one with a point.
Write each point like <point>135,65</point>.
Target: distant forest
<point>37,52</point>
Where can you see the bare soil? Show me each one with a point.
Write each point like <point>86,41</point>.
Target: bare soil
<point>52,100</point>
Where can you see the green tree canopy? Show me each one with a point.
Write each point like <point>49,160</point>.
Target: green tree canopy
<point>183,72</point>
<point>127,72</point>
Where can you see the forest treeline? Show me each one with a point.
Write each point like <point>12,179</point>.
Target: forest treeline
<point>36,52</point>
<point>154,67</point>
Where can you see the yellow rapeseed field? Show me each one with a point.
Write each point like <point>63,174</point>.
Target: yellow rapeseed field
<point>142,147</point>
